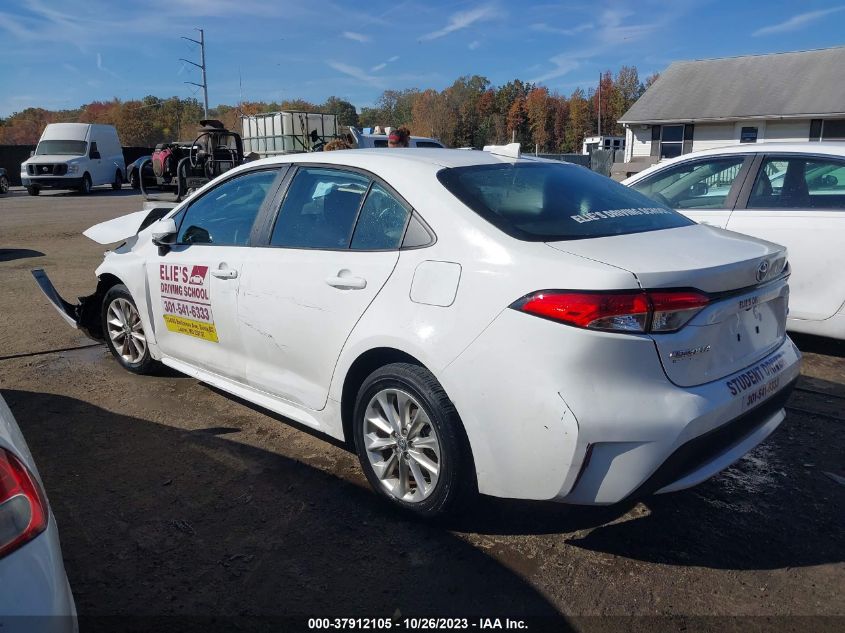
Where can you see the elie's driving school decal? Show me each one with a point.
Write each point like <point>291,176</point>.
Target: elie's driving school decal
<point>186,300</point>
<point>592,216</point>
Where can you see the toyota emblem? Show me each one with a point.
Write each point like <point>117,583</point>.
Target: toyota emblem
<point>762,270</point>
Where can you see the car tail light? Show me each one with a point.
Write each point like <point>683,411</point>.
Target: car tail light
<point>23,507</point>
<point>637,311</point>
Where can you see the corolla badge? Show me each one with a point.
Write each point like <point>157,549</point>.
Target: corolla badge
<point>685,354</point>
<point>763,270</point>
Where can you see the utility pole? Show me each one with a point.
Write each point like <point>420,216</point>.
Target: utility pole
<point>599,104</point>
<point>204,84</point>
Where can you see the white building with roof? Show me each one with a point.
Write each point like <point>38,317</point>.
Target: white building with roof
<point>697,105</point>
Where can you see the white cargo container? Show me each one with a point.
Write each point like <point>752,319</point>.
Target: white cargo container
<point>273,133</point>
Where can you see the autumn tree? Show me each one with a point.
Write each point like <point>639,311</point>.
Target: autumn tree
<point>345,111</point>
<point>485,112</point>
<point>560,118</point>
<point>469,112</point>
<point>538,112</point>
<point>578,125</point>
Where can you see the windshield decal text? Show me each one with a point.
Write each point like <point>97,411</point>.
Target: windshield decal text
<point>610,214</point>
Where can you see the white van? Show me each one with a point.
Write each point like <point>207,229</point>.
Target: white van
<point>75,156</point>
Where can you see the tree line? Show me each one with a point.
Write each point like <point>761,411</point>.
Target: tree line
<point>469,113</point>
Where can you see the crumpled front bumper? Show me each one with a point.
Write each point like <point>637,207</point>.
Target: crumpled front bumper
<point>84,315</point>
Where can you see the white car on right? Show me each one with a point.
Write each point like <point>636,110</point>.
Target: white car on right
<point>788,193</point>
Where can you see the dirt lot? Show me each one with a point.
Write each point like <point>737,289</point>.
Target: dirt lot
<point>173,499</point>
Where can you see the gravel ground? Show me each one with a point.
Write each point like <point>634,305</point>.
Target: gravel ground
<point>173,499</point>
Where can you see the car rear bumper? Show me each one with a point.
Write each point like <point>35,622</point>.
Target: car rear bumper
<point>52,182</point>
<point>554,412</point>
<point>36,595</point>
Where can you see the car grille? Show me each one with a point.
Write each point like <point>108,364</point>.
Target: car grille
<point>46,169</point>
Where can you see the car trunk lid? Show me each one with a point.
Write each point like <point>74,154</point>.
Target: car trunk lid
<point>744,278</point>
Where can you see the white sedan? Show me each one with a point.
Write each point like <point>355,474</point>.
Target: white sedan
<point>789,193</point>
<point>467,320</point>
<point>34,591</point>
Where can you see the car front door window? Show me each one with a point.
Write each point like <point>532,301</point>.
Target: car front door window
<point>224,216</point>
<point>693,185</point>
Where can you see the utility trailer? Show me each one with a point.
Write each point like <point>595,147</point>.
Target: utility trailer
<point>288,132</point>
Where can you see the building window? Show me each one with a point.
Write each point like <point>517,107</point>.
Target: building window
<point>833,130</point>
<point>748,135</point>
<point>671,141</point>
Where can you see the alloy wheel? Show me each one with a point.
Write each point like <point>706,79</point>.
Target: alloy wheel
<point>126,331</point>
<point>402,445</point>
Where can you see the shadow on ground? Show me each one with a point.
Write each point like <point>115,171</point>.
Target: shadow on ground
<point>11,254</point>
<point>160,521</point>
<point>819,344</point>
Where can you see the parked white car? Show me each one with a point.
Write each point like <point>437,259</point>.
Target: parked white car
<point>75,156</point>
<point>370,140</point>
<point>465,319</point>
<point>789,193</point>
<point>33,582</point>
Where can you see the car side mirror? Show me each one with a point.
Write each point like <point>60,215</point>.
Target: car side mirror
<point>164,232</point>
<point>31,153</point>
<point>95,155</point>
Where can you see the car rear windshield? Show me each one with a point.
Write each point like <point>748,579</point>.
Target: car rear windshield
<point>66,148</point>
<point>546,202</point>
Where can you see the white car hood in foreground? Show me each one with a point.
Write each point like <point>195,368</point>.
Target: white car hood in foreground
<point>703,257</point>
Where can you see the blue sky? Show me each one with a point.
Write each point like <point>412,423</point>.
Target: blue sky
<point>61,55</point>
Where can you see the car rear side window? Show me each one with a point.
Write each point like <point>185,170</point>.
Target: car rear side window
<point>224,215</point>
<point>555,201</point>
<point>798,182</point>
<point>320,209</point>
<point>381,223</point>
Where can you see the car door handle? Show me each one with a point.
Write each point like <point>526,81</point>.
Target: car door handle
<point>347,282</point>
<point>225,273</point>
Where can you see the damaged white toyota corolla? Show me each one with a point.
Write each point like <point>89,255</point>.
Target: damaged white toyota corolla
<point>467,320</point>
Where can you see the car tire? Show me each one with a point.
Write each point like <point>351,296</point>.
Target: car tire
<point>85,187</point>
<point>427,436</point>
<point>117,185</point>
<point>4,184</point>
<point>133,180</point>
<point>33,190</point>
<point>124,333</point>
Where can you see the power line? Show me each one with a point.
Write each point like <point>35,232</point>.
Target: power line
<point>201,66</point>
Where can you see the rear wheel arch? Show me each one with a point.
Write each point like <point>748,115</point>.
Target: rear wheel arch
<point>361,368</point>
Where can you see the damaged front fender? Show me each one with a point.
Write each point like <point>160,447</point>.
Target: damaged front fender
<point>84,315</point>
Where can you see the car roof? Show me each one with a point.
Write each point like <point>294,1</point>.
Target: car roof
<point>832,148</point>
<point>367,158</point>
